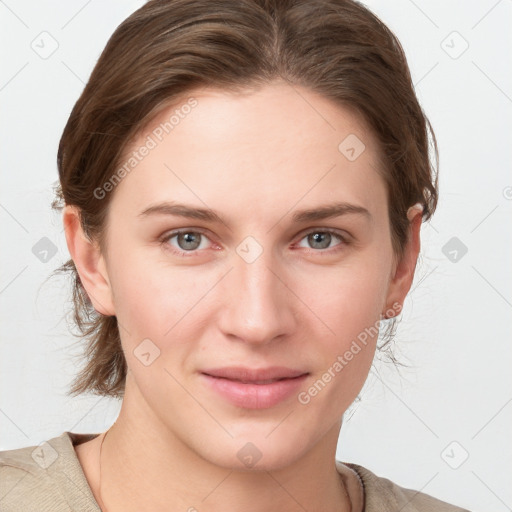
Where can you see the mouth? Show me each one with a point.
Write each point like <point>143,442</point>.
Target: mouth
<point>257,382</point>
<point>248,389</point>
<point>255,376</point>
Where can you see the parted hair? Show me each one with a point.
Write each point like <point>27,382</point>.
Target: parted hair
<point>168,48</point>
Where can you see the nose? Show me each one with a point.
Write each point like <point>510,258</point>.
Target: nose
<point>258,304</point>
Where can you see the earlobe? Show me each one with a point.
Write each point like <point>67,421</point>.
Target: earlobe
<point>89,262</point>
<point>403,277</point>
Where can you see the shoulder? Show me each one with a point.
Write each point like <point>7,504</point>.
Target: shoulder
<point>45,477</point>
<point>383,495</point>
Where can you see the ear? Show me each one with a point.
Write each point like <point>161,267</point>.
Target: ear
<point>403,274</point>
<point>89,262</point>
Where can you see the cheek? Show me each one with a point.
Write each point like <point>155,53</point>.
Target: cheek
<point>166,305</point>
<point>346,339</point>
<point>348,302</point>
<point>145,289</point>
<point>346,299</point>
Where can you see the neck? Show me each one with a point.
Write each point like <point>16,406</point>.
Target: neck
<point>145,466</point>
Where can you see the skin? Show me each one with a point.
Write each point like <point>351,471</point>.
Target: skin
<point>255,158</point>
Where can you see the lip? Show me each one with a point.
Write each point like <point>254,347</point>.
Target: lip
<point>240,385</point>
<point>254,374</point>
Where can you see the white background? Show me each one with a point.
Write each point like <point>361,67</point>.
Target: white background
<point>456,329</point>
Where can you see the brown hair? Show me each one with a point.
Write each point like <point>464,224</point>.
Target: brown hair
<point>337,48</point>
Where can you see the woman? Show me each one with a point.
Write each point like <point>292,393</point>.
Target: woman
<point>243,186</point>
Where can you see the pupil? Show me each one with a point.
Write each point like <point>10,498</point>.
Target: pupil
<point>321,238</point>
<point>189,238</point>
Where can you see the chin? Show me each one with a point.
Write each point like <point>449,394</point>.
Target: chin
<point>254,452</point>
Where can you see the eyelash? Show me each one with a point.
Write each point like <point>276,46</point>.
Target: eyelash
<point>187,254</point>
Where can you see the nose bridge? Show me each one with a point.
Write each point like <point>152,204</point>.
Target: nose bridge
<point>259,305</point>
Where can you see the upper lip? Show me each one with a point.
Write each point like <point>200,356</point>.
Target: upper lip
<point>254,374</point>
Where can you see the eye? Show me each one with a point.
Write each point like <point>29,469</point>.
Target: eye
<point>320,239</point>
<point>187,241</point>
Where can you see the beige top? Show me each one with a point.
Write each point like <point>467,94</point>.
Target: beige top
<point>49,477</point>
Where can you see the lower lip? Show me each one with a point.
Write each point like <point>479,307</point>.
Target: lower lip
<point>254,396</point>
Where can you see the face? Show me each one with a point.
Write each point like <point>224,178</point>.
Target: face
<point>265,281</point>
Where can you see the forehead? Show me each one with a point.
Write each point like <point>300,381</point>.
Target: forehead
<point>273,146</point>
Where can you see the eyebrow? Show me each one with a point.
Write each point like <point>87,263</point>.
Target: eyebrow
<point>206,214</point>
